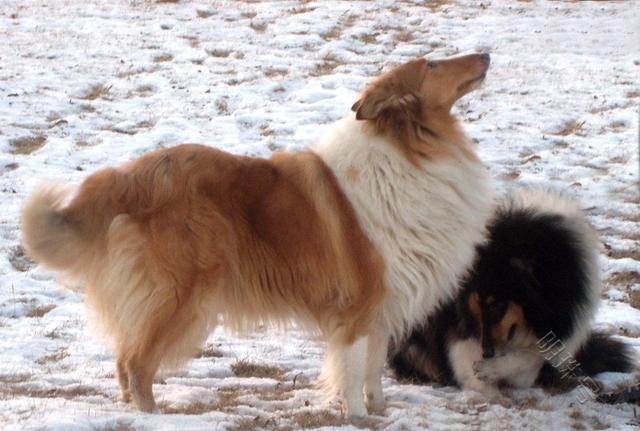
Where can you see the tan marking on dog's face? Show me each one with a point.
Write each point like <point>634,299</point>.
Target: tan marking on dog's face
<point>474,307</point>
<point>513,316</point>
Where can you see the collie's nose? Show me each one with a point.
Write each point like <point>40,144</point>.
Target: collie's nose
<point>486,58</point>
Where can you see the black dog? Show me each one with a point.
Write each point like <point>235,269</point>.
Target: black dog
<point>525,310</point>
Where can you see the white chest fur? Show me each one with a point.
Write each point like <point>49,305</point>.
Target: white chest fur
<point>424,220</point>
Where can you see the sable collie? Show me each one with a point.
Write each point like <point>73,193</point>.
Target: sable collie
<point>527,306</point>
<point>360,237</point>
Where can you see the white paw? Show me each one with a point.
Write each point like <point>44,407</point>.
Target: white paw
<point>375,403</point>
<point>356,411</point>
<point>486,370</point>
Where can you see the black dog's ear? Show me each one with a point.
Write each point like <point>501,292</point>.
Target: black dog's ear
<point>525,268</point>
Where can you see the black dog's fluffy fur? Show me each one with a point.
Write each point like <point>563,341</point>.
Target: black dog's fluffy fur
<point>536,257</point>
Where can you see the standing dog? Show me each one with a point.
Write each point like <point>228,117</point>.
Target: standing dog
<point>529,301</point>
<point>361,237</point>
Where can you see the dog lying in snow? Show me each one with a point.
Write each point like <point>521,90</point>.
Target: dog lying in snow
<point>525,311</point>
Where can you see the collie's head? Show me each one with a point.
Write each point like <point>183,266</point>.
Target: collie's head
<point>500,324</point>
<point>412,103</point>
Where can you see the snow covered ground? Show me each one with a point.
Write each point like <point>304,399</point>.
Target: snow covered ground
<point>85,84</point>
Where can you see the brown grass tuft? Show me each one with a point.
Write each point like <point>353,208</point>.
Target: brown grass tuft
<point>162,58</point>
<point>259,27</point>
<point>56,356</point>
<point>40,310</point>
<point>634,299</point>
<point>120,426</point>
<point>98,91</point>
<point>367,38</point>
<point>326,418</point>
<point>249,14</point>
<point>332,34</point>
<point>27,144</point>
<point>19,260</point>
<point>27,389</point>
<point>626,278</point>
<point>327,66</point>
<point>621,254</point>
<point>247,368</point>
<point>210,352</point>
<point>204,13</point>
<point>226,401</point>
<point>571,127</point>
<point>220,53</point>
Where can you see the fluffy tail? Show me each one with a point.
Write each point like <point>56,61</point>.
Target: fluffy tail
<point>62,232</point>
<point>601,353</point>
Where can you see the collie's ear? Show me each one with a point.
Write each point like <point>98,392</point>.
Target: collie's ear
<point>373,103</point>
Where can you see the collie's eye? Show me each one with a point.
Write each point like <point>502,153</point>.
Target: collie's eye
<point>431,65</point>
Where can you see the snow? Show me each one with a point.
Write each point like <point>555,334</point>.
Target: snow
<point>89,84</point>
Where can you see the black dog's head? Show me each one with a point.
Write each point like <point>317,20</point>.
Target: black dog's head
<point>497,302</point>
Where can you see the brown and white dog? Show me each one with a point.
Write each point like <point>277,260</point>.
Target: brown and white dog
<point>361,237</point>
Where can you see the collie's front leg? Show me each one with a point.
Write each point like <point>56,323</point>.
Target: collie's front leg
<point>377,343</point>
<point>344,373</point>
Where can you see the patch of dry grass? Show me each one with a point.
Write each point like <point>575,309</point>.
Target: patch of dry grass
<point>258,27</point>
<point>625,278</point>
<point>120,426</point>
<point>40,310</point>
<point>19,259</point>
<point>294,421</point>
<point>332,34</point>
<point>56,356</point>
<point>162,58</point>
<point>29,389</point>
<point>622,254</point>
<point>326,66</point>
<point>366,38</point>
<point>219,53</point>
<point>247,368</point>
<point>210,352</point>
<point>634,299</point>
<point>327,418</point>
<point>272,72</point>
<point>27,144</point>
<point>144,90</point>
<point>225,402</point>
<point>571,127</point>
<point>204,13</point>
<point>98,91</point>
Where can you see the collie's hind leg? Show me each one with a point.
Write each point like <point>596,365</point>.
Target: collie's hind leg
<point>142,368</point>
<point>178,333</point>
<point>377,343</point>
<point>123,377</point>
